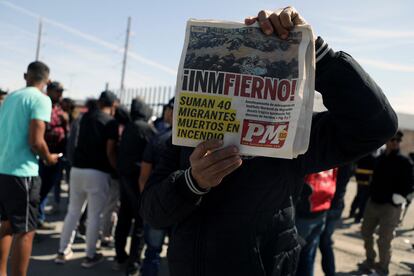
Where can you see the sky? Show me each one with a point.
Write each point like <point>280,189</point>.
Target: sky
<point>82,41</point>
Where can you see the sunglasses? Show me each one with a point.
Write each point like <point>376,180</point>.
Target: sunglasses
<point>396,140</point>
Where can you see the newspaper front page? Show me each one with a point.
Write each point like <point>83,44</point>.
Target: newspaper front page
<point>251,90</point>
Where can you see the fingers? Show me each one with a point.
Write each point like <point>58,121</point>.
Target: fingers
<point>264,22</point>
<point>294,16</point>
<point>228,170</point>
<point>204,147</point>
<point>250,20</point>
<point>281,31</point>
<point>280,21</point>
<point>221,169</point>
<point>219,155</point>
<point>214,174</point>
<point>286,18</point>
<point>213,158</point>
<point>209,167</point>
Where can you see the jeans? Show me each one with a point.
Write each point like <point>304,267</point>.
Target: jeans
<point>51,177</point>
<point>154,239</point>
<point>85,185</point>
<point>326,242</point>
<point>310,230</point>
<point>128,212</point>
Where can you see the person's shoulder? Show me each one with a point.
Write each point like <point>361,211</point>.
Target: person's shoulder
<point>35,94</point>
<point>141,123</point>
<point>165,135</point>
<point>111,123</point>
<point>104,117</point>
<point>404,158</point>
<point>25,92</point>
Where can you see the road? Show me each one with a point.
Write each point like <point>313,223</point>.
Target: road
<point>348,250</point>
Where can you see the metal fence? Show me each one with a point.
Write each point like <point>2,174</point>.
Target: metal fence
<point>155,97</point>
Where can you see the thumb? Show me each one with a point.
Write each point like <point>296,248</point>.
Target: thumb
<point>250,20</point>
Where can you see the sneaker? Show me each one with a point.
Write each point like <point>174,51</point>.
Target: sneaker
<point>54,210</point>
<point>107,243</point>
<point>61,258</point>
<point>133,269</point>
<point>366,267</point>
<point>91,262</point>
<point>45,226</point>
<point>380,270</point>
<point>118,266</point>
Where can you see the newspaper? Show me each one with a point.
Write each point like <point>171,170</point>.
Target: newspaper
<point>251,90</point>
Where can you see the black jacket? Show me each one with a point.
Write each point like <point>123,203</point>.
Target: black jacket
<point>393,174</point>
<point>135,137</point>
<point>245,226</point>
<point>365,169</point>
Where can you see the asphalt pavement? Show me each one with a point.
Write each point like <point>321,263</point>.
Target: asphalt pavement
<point>348,249</point>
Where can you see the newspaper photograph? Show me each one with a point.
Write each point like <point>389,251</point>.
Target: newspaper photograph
<point>248,89</point>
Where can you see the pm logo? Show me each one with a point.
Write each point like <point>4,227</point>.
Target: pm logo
<point>264,134</point>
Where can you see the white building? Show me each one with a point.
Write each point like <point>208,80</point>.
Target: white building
<point>405,123</point>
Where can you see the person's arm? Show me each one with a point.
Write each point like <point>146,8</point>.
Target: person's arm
<point>65,122</point>
<point>406,185</point>
<point>145,173</point>
<point>38,144</point>
<point>111,146</point>
<point>112,136</point>
<point>359,118</point>
<point>172,194</point>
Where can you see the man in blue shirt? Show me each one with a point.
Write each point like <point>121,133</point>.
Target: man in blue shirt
<point>22,123</point>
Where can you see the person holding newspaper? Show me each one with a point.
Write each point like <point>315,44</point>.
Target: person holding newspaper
<point>232,215</point>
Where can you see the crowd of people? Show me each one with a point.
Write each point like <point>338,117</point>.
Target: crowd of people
<point>100,151</point>
<point>225,214</point>
<point>378,203</point>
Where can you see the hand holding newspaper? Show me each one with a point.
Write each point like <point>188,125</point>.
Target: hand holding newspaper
<point>248,89</point>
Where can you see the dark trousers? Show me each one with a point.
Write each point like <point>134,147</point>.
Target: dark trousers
<point>129,212</point>
<point>359,202</point>
<point>326,242</point>
<point>51,177</point>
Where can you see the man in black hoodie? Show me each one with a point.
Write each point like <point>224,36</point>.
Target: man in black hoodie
<point>391,183</point>
<point>235,217</point>
<point>135,137</point>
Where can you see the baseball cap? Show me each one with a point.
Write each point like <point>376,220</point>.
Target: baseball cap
<point>399,134</point>
<point>170,103</point>
<point>55,85</point>
<point>107,98</point>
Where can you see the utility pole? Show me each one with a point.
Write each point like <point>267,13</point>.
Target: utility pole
<point>125,56</point>
<point>39,39</point>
